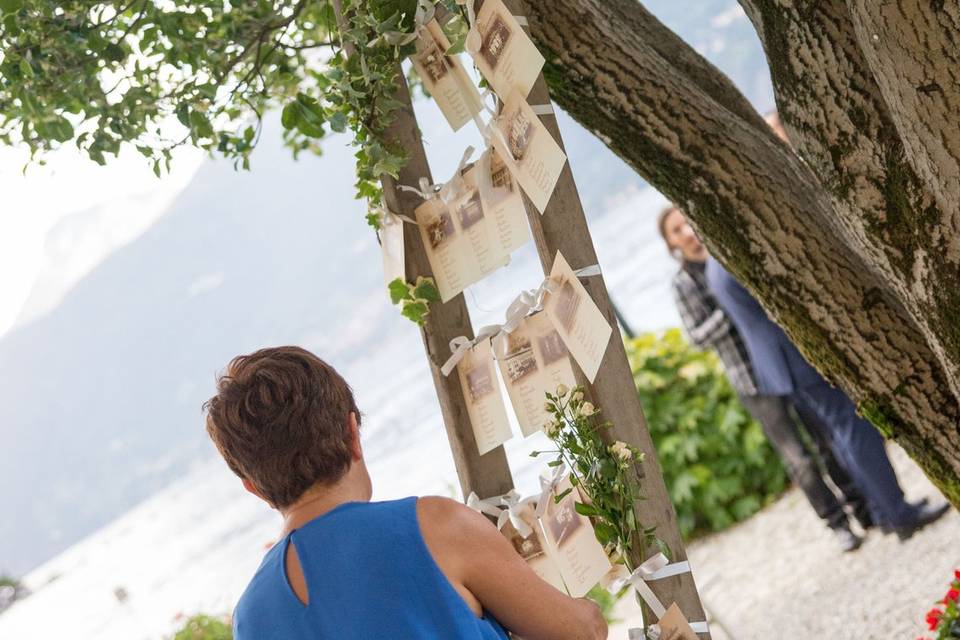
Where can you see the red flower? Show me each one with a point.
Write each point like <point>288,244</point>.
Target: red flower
<point>956,574</point>
<point>953,594</point>
<point>933,618</point>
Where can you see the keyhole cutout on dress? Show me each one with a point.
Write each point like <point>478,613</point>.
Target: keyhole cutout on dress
<point>294,571</point>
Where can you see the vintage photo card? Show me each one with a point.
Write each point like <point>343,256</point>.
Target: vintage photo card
<point>579,555</point>
<point>507,57</point>
<point>533,360</point>
<point>674,626</point>
<point>530,152</point>
<point>459,240</point>
<point>534,549</point>
<point>581,325</point>
<point>445,78</point>
<point>481,391</point>
<point>503,201</point>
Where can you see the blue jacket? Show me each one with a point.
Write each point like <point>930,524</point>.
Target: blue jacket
<point>777,365</point>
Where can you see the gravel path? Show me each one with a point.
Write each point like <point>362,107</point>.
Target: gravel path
<point>780,575</point>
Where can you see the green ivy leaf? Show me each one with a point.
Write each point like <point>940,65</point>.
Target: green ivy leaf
<point>338,122</point>
<point>10,6</point>
<point>398,291</point>
<point>290,115</point>
<point>416,311</point>
<point>586,509</point>
<point>426,289</point>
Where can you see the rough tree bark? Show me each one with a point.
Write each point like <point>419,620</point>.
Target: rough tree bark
<point>852,248</point>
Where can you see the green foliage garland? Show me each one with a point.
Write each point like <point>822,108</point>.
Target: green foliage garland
<point>414,299</point>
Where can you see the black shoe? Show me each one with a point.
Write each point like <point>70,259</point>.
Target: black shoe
<point>923,516</point>
<point>864,519</point>
<point>847,539</point>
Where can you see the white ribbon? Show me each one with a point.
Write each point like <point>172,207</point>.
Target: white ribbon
<point>520,308</point>
<point>447,191</point>
<point>514,511</point>
<point>461,344</point>
<point>425,13</point>
<point>547,487</point>
<point>532,300</point>
<point>656,567</point>
<point>483,506</point>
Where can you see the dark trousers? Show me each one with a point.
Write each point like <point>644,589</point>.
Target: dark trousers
<point>781,429</point>
<point>859,448</point>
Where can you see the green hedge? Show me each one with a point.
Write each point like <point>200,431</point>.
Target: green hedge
<point>717,464</point>
<point>204,627</point>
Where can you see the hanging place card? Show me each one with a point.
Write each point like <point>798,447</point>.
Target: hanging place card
<point>534,549</point>
<point>458,241</point>
<point>444,77</point>
<point>390,234</point>
<point>581,325</point>
<point>533,360</point>
<point>502,201</point>
<point>481,392</point>
<point>528,149</point>
<point>674,626</point>
<point>503,51</point>
<point>580,557</point>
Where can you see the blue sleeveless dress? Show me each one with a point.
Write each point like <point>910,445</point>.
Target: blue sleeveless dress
<point>369,575</point>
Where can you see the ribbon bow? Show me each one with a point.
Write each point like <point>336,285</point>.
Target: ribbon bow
<point>548,486</point>
<point>483,506</point>
<point>514,512</point>
<point>447,191</point>
<point>532,300</point>
<point>425,13</point>
<point>655,568</point>
<point>461,344</point>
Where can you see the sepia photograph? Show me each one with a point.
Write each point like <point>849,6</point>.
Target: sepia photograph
<point>551,347</point>
<point>433,60</point>
<point>470,211</point>
<point>562,519</point>
<point>520,134</point>
<point>521,365</point>
<point>440,230</point>
<point>528,548</point>
<point>480,382</point>
<point>568,301</point>
<point>499,173</point>
<point>495,41</point>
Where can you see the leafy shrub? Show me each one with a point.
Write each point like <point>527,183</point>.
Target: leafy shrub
<point>204,627</point>
<point>717,464</point>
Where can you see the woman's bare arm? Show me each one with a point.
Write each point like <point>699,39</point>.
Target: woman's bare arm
<point>473,554</point>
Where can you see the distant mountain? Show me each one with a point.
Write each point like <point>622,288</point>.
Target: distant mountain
<point>100,398</point>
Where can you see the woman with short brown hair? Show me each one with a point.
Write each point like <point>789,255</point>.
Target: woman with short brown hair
<point>287,425</point>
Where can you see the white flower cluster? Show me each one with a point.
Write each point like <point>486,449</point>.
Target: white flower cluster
<point>621,450</point>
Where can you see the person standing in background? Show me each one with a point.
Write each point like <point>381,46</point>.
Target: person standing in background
<point>708,327</point>
<point>782,371</point>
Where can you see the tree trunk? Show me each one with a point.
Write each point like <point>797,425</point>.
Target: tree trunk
<point>847,248</point>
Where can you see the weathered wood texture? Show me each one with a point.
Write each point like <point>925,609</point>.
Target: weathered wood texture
<point>489,474</point>
<point>563,227</point>
<point>818,267</point>
<point>843,127</point>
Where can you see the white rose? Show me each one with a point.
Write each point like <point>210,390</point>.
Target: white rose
<point>551,428</point>
<point>587,409</point>
<point>577,396</point>
<point>562,390</point>
<point>621,450</point>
